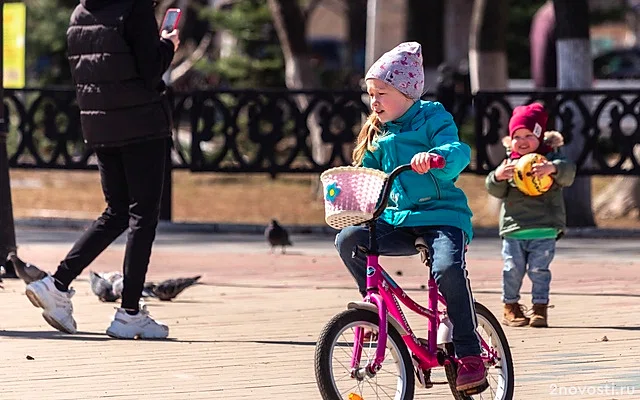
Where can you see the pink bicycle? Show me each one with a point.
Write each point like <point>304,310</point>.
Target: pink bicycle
<point>370,352</point>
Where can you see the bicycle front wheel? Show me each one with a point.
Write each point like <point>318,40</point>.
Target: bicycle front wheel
<point>499,371</point>
<point>334,350</point>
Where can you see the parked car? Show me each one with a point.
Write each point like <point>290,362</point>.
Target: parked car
<point>622,63</point>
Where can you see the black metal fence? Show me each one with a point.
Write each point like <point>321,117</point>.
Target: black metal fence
<point>604,124</point>
<point>219,131</point>
<point>272,131</point>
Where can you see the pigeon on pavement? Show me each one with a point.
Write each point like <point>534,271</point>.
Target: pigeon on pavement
<point>169,289</point>
<point>277,236</point>
<point>108,287</point>
<point>26,271</point>
<point>147,290</point>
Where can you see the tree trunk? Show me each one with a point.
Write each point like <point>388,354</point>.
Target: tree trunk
<point>488,65</point>
<point>357,33</point>
<point>488,45</point>
<point>290,25</point>
<point>386,23</point>
<point>488,57</point>
<point>457,30</point>
<point>575,71</point>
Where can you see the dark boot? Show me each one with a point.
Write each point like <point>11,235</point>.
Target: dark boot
<point>539,317</point>
<point>514,316</point>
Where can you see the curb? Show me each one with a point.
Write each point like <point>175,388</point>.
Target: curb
<point>250,229</point>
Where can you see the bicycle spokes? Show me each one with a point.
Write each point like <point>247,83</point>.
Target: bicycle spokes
<point>346,357</point>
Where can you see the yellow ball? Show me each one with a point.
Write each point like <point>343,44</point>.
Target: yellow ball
<point>525,181</point>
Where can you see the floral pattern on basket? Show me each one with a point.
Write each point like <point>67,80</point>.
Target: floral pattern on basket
<point>332,192</point>
<point>351,194</point>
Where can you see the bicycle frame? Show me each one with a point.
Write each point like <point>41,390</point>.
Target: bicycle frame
<point>384,292</point>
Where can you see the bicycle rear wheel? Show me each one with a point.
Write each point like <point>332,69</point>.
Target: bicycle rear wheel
<point>333,361</point>
<point>499,374</point>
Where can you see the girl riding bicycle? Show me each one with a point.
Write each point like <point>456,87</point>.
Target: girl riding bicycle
<point>426,203</point>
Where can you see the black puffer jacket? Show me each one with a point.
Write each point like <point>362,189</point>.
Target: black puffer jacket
<point>117,60</point>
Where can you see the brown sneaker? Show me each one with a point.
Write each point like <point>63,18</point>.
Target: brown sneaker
<point>514,315</point>
<point>539,317</point>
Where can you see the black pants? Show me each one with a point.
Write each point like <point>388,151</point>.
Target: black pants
<point>132,177</point>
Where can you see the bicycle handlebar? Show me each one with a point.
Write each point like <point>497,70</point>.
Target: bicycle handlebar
<point>437,162</point>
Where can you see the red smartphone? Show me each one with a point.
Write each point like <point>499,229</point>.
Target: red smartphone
<point>171,19</point>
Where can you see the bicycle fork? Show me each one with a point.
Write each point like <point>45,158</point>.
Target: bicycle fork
<point>372,368</point>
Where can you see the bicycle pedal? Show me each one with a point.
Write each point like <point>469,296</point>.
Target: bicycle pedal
<point>477,389</point>
<point>423,376</point>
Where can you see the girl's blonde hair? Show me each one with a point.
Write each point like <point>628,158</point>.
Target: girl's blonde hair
<point>368,134</point>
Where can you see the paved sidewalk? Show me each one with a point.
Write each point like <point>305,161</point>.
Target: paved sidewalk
<point>249,331</point>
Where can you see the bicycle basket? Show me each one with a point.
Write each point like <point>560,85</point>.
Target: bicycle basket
<point>350,194</point>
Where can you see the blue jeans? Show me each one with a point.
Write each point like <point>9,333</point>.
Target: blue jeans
<point>447,247</point>
<point>533,257</point>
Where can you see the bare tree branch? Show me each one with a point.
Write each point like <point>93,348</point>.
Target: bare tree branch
<point>185,66</point>
<point>290,27</point>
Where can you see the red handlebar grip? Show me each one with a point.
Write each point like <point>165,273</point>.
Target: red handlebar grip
<point>436,161</point>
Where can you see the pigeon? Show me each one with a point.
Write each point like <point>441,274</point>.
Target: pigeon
<point>26,271</point>
<point>277,236</point>
<point>169,289</point>
<point>147,290</point>
<point>107,286</point>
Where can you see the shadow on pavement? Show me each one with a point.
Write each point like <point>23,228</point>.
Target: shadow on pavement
<point>620,328</point>
<point>83,336</point>
<point>565,293</point>
<point>278,342</point>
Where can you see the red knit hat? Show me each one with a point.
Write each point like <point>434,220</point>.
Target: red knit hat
<point>534,118</point>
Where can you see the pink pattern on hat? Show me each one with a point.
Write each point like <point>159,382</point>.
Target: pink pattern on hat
<point>407,73</point>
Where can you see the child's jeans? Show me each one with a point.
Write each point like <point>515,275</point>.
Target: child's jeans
<point>532,256</point>
<point>447,247</point>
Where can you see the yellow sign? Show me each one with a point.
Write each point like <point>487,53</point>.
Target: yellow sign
<point>14,30</point>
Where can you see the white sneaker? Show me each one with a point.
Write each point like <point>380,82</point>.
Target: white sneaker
<point>141,325</point>
<point>58,310</point>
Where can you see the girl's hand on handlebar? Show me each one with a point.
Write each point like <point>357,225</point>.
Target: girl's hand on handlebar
<point>422,162</point>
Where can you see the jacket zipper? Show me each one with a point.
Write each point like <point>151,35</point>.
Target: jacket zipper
<point>435,182</point>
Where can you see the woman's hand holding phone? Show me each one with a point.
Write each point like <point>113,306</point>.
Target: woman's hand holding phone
<point>170,26</point>
<point>173,36</point>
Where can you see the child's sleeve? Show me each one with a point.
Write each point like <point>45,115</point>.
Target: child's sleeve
<point>444,136</point>
<point>496,188</point>
<point>370,160</point>
<point>566,170</point>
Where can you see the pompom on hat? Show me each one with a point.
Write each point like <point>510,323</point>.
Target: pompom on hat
<point>401,67</point>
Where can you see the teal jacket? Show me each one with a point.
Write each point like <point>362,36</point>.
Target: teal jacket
<point>431,199</point>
